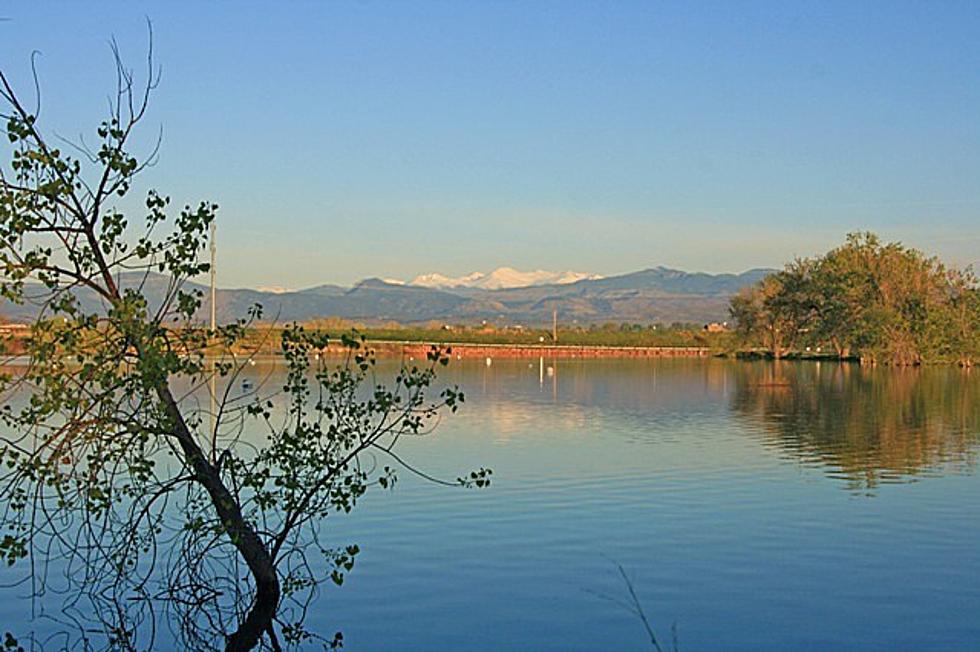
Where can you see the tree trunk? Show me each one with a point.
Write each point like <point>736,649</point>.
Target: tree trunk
<point>775,342</point>
<point>242,534</point>
<point>842,350</point>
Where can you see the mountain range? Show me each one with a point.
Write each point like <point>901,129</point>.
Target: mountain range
<point>652,295</point>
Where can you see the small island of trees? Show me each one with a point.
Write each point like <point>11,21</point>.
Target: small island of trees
<point>865,300</point>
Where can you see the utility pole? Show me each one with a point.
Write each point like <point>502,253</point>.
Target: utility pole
<point>554,325</point>
<point>214,255</point>
<point>212,389</point>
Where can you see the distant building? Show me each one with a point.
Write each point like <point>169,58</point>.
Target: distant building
<point>716,327</point>
<point>15,329</point>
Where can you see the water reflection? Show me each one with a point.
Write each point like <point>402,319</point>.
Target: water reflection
<point>864,426</point>
<point>868,426</point>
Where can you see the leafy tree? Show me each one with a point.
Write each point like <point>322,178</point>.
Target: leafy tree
<point>846,286</point>
<point>953,330</point>
<point>766,315</point>
<point>884,302</point>
<point>146,505</point>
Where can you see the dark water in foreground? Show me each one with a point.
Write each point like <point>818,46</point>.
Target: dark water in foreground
<point>758,506</point>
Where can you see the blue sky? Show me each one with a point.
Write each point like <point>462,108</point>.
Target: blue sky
<point>345,140</point>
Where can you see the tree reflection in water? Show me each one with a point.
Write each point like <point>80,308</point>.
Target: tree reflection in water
<point>866,425</point>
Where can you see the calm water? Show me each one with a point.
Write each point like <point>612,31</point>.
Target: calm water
<point>802,506</point>
<point>757,506</point>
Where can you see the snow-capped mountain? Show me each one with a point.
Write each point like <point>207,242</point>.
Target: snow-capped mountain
<point>500,278</point>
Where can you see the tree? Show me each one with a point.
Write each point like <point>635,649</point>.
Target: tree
<point>763,314</point>
<point>952,331</point>
<point>886,302</point>
<point>111,474</point>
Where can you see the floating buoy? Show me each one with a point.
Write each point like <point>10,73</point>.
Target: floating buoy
<point>489,362</point>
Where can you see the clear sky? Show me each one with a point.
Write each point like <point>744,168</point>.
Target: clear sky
<point>345,140</point>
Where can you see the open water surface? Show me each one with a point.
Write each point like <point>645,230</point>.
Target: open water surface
<point>758,506</point>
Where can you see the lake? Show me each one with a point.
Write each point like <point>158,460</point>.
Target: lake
<point>757,506</point>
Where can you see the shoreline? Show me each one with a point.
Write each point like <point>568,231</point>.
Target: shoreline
<point>461,350</point>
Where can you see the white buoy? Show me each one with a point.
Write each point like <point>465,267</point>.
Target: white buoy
<point>489,362</point>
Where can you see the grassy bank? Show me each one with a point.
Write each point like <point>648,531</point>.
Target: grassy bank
<point>590,341</point>
<point>267,338</point>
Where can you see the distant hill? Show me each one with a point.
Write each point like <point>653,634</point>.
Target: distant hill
<point>652,295</point>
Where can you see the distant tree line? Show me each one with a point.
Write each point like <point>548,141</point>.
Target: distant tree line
<point>868,300</point>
